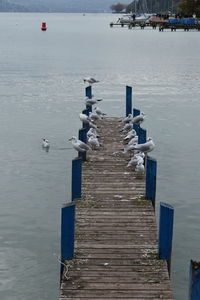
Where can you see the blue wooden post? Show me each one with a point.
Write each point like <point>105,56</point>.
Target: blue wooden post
<point>86,112</point>
<point>128,100</point>
<point>151,169</point>
<point>88,93</point>
<point>194,280</point>
<point>166,232</point>
<point>136,112</point>
<point>76,177</point>
<point>142,135</point>
<point>83,138</point>
<point>67,231</point>
<point>136,127</point>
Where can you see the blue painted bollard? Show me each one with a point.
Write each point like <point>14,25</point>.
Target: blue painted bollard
<point>166,232</point>
<point>86,112</point>
<point>194,280</point>
<point>151,170</point>
<point>67,231</point>
<point>88,93</point>
<point>136,112</point>
<point>142,135</point>
<point>76,178</point>
<point>83,138</point>
<point>128,100</point>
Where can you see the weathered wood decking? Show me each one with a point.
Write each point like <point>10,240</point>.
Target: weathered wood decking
<point>116,233</point>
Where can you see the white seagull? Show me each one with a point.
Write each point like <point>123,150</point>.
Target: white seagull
<point>135,160</point>
<point>94,116</point>
<point>145,147</point>
<point>79,145</point>
<point>139,168</point>
<point>92,132</point>
<point>92,101</point>
<point>93,142</point>
<point>138,119</point>
<point>84,118</point>
<point>127,119</point>
<point>131,134</point>
<point>127,127</point>
<point>45,144</point>
<point>99,111</point>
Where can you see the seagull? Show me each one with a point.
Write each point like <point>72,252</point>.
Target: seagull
<point>90,80</point>
<point>131,134</point>
<point>99,111</point>
<point>91,125</point>
<point>130,148</point>
<point>133,140</point>
<point>93,142</point>
<point>127,127</point>
<point>145,147</point>
<point>45,144</point>
<point>94,116</point>
<point>79,145</point>
<point>135,160</point>
<point>92,132</point>
<point>89,101</point>
<point>138,119</point>
<point>84,118</point>
<point>127,119</point>
<point>139,168</point>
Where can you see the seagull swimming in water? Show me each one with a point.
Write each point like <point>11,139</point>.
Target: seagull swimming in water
<point>45,144</point>
<point>90,80</point>
<point>79,145</point>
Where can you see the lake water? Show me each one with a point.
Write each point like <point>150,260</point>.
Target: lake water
<point>41,92</point>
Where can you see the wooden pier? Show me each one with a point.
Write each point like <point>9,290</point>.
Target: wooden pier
<point>116,244</point>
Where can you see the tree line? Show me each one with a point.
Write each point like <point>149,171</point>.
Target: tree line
<point>185,8</point>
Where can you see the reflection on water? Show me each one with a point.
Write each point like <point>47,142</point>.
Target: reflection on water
<point>41,94</point>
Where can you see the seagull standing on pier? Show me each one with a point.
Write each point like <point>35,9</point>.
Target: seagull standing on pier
<point>145,147</point>
<point>90,102</point>
<point>138,119</point>
<point>79,145</point>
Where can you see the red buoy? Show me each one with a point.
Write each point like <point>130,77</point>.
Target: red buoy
<point>44,26</point>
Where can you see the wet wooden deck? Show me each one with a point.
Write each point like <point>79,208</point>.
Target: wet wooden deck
<point>116,233</point>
